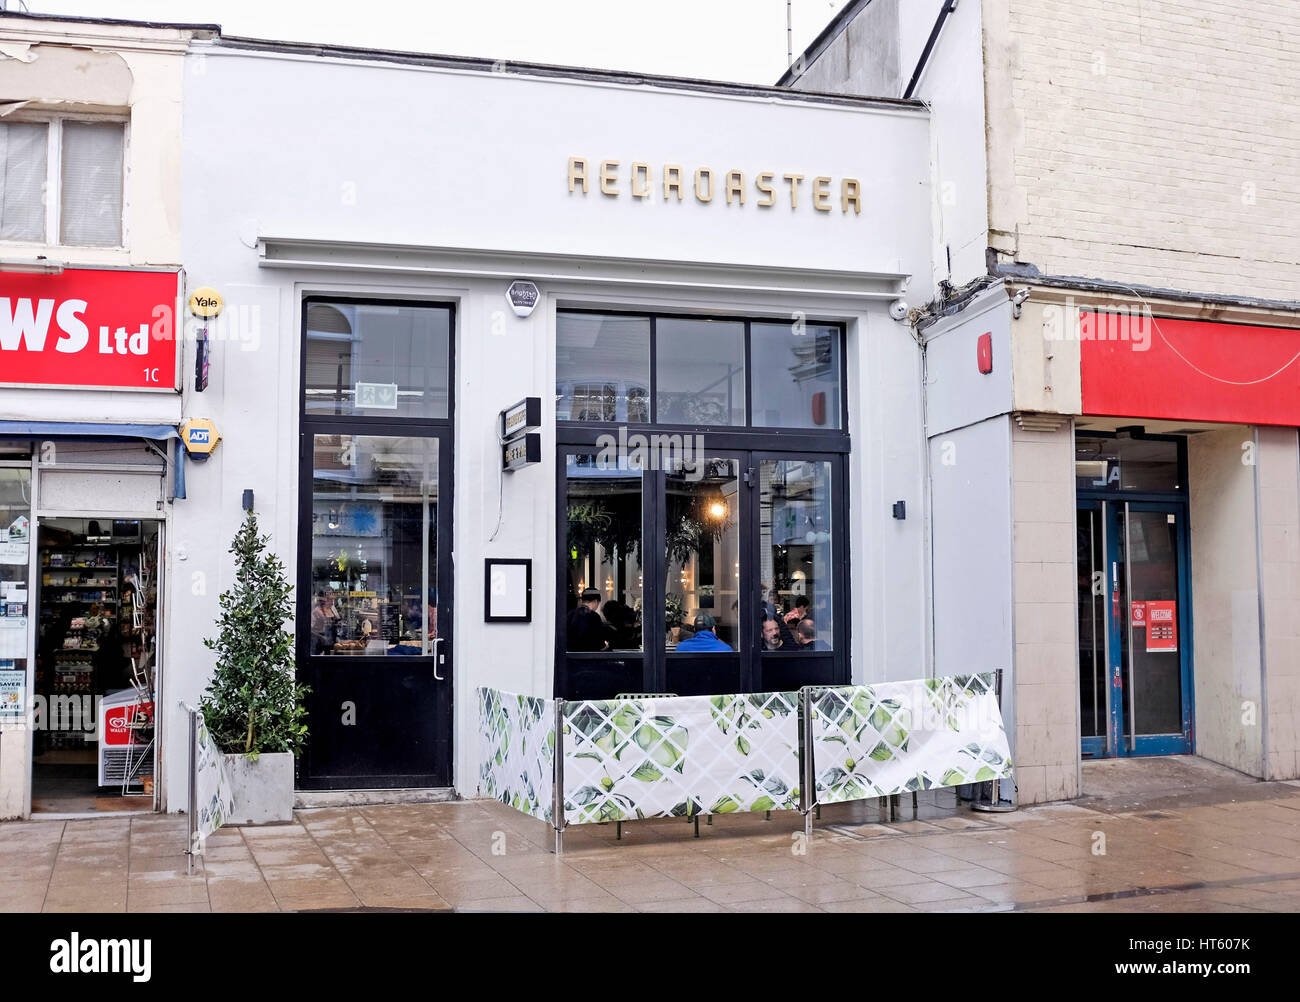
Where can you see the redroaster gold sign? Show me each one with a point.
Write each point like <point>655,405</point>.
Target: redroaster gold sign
<point>767,188</point>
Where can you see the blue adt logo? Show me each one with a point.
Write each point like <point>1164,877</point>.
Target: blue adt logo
<point>199,436</point>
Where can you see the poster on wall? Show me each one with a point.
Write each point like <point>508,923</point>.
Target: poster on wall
<point>1162,627</point>
<point>1138,615</point>
<point>13,689</point>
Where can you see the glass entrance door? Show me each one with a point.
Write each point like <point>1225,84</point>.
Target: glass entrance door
<point>374,544</point>
<point>1134,637</point>
<point>722,574</point>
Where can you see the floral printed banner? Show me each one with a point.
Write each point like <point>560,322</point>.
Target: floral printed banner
<point>517,751</point>
<point>212,791</point>
<point>678,756</point>
<point>900,737</point>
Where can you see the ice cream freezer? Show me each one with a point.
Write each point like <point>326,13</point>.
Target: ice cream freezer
<point>124,745</point>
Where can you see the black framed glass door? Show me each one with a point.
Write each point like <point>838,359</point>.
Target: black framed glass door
<point>375,520</point>
<point>723,574</point>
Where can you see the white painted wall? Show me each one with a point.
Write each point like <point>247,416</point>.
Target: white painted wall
<point>450,158</point>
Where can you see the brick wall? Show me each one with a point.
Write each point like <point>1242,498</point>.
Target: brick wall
<point>1154,142</point>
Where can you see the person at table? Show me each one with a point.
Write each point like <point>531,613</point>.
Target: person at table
<point>587,631</point>
<point>805,635</point>
<point>706,636</point>
<point>772,638</point>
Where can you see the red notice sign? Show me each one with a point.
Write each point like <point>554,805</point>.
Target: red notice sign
<point>1162,627</point>
<point>1138,615</point>
<point>89,328</point>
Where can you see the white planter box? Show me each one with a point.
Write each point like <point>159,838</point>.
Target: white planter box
<point>262,790</point>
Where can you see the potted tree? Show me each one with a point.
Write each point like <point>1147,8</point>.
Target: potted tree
<point>253,705</point>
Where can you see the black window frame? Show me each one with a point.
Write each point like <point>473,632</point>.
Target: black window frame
<point>752,444</point>
<point>313,423</point>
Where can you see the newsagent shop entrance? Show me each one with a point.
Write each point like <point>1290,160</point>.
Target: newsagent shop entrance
<point>82,544</point>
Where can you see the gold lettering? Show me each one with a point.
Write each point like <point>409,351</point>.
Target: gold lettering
<point>608,177</point>
<point>702,175</point>
<point>764,184</point>
<point>736,186</point>
<point>851,194</point>
<point>821,188</point>
<point>577,173</point>
<point>640,180</point>
<point>672,181</point>
<point>794,180</point>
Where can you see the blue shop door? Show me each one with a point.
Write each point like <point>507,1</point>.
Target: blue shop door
<point>1135,658</point>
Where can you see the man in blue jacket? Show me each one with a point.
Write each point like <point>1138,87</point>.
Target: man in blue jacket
<point>705,639</point>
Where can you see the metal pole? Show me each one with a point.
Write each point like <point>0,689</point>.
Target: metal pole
<point>807,789</point>
<point>194,793</point>
<point>995,805</point>
<point>557,807</point>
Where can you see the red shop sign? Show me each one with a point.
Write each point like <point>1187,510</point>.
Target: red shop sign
<point>90,328</point>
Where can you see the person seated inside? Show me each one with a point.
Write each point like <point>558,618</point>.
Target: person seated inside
<point>772,639</point>
<point>706,637</point>
<point>798,612</point>
<point>805,635</point>
<point>587,631</point>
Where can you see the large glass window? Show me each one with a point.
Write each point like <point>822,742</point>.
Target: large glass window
<point>699,372</point>
<point>708,372</point>
<point>377,360</point>
<point>62,180</point>
<point>796,375</point>
<point>374,545</point>
<point>23,167</point>
<point>1105,463</point>
<point>602,368</point>
<point>92,184</point>
<point>603,601</point>
<point>702,558</point>
<point>795,579</point>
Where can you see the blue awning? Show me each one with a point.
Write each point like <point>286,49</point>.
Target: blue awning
<point>92,429</point>
<point>88,429</point>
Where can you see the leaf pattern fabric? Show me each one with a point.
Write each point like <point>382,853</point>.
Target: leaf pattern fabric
<point>517,751</point>
<point>680,756</point>
<point>902,737</point>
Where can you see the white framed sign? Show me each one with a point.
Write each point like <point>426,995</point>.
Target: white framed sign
<point>507,590</point>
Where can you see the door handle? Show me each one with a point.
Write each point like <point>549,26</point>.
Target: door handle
<point>440,659</point>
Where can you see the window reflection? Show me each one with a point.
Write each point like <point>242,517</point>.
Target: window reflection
<point>700,372</point>
<point>377,360</point>
<point>603,609</point>
<point>602,368</point>
<point>374,545</point>
<point>795,607</point>
<point>796,375</point>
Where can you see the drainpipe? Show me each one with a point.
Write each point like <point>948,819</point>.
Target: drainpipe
<point>948,7</point>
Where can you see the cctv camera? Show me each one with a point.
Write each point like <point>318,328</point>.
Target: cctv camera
<point>1017,301</point>
<point>898,309</point>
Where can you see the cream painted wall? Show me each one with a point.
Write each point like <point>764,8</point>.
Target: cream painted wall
<point>1225,597</point>
<point>1150,143</point>
<point>1279,532</point>
<point>1045,615</point>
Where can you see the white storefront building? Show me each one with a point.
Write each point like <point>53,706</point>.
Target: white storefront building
<point>710,260</point>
